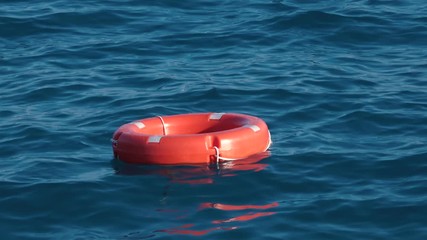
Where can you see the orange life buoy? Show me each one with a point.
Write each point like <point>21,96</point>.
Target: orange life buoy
<point>191,138</point>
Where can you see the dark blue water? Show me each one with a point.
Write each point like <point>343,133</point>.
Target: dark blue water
<point>341,84</point>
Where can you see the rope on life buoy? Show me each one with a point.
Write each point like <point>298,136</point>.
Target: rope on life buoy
<point>163,124</point>
<point>222,158</point>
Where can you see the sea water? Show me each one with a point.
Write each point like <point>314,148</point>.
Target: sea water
<point>341,85</point>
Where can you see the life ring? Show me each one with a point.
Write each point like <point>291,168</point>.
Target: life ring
<point>191,138</point>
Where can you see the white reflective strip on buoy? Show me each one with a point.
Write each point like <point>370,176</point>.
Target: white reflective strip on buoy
<point>139,124</point>
<point>216,116</point>
<point>255,128</point>
<point>154,139</point>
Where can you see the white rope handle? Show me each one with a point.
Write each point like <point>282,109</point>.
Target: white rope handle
<point>269,141</point>
<point>163,124</point>
<point>222,158</point>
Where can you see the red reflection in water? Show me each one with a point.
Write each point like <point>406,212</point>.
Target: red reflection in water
<point>197,174</point>
<point>227,207</point>
<point>206,174</point>
<point>186,229</point>
<point>244,217</point>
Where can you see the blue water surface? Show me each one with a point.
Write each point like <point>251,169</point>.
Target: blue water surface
<point>341,84</point>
